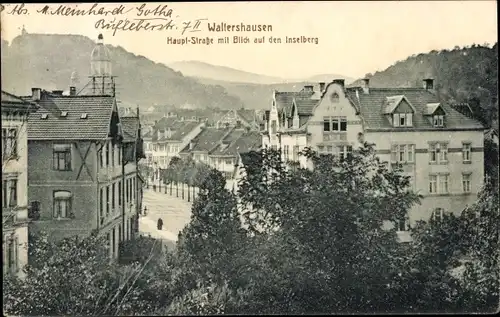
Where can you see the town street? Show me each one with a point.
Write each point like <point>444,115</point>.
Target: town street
<point>175,213</point>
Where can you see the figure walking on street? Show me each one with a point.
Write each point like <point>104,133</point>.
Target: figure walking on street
<point>160,223</point>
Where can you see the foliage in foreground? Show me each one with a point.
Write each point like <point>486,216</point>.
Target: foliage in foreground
<point>290,242</point>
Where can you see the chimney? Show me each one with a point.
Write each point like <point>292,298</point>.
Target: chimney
<point>321,87</point>
<point>36,94</point>
<point>191,145</point>
<point>428,84</point>
<point>309,88</point>
<point>366,85</point>
<point>72,91</point>
<point>339,82</point>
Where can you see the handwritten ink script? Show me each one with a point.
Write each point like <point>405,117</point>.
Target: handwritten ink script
<point>139,18</point>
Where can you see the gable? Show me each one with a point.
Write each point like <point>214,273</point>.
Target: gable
<point>403,107</point>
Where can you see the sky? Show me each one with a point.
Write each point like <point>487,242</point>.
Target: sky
<point>354,37</point>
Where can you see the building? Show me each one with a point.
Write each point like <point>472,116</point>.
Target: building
<point>83,161</point>
<point>169,135</point>
<point>246,118</point>
<point>220,148</point>
<point>440,148</point>
<point>15,183</point>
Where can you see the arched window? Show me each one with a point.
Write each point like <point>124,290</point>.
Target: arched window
<point>62,204</point>
<point>334,97</point>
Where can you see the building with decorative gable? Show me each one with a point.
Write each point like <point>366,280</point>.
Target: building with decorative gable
<point>439,148</point>
<point>15,216</point>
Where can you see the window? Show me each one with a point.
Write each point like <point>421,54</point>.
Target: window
<point>34,210</point>
<point>101,203</point>
<point>335,124</point>
<point>119,233</point>
<point>113,196</point>
<point>443,183</point>
<point>62,204</point>
<point>9,193</point>
<point>12,255</point>
<point>286,151</point>
<point>402,225</point>
<point>295,154</point>
<point>113,241</point>
<point>334,97</point>
<point>433,184</point>
<point>466,180</point>
<point>274,147</point>
<point>437,214</point>
<point>62,157</point>
<point>119,193</point>
<point>438,153</point>
<point>273,126</point>
<point>466,152</point>
<point>229,161</point>
<point>438,121</point>
<point>9,142</point>
<point>107,200</point>
<point>127,193</point>
<point>101,158</point>
<point>403,153</point>
<point>403,119</point>
<point>107,155</point>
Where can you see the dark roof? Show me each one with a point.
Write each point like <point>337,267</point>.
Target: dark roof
<point>305,106</point>
<point>372,107</point>
<point>14,103</point>
<point>206,140</point>
<point>230,138</point>
<point>53,126</point>
<point>130,128</point>
<point>284,100</point>
<point>248,141</point>
<point>247,115</point>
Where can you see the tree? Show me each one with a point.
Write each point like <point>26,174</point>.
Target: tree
<point>330,252</point>
<point>212,238</point>
<point>74,277</point>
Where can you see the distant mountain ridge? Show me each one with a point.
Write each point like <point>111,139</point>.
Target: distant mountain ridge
<point>48,60</point>
<point>219,73</point>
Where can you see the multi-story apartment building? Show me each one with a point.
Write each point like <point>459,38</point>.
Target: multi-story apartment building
<point>246,118</point>
<point>15,183</point>
<point>440,148</point>
<point>220,148</point>
<point>169,136</point>
<point>83,161</point>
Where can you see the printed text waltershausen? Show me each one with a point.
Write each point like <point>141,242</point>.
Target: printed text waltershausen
<point>242,27</point>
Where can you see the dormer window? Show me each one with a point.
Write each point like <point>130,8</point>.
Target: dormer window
<point>403,119</point>
<point>438,120</point>
<point>83,116</point>
<point>44,116</point>
<point>64,113</point>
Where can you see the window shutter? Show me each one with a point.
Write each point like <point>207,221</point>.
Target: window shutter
<point>409,119</point>
<point>396,119</point>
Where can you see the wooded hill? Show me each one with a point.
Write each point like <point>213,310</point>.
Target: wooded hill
<point>463,74</point>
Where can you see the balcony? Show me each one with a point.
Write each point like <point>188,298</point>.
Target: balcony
<point>334,136</point>
<point>13,215</point>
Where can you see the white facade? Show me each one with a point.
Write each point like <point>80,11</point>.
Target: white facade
<point>14,192</point>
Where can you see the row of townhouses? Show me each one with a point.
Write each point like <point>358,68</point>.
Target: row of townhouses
<point>172,135</point>
<point>440,148</point>
<point>70,165</point>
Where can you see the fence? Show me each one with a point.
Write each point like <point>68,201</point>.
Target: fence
<point>179,190</point>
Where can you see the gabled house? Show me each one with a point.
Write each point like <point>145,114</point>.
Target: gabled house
<point>169,136</point>
<point>220,148</point>
<point>15,216</point>
<point>241,118</point>
<point>440,148</point>
<point>80,180</point>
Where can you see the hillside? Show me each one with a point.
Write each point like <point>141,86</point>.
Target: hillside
<point>256,96</point>
<point>222,73</point>
<point>47,61</point>
<point>467,74</point>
